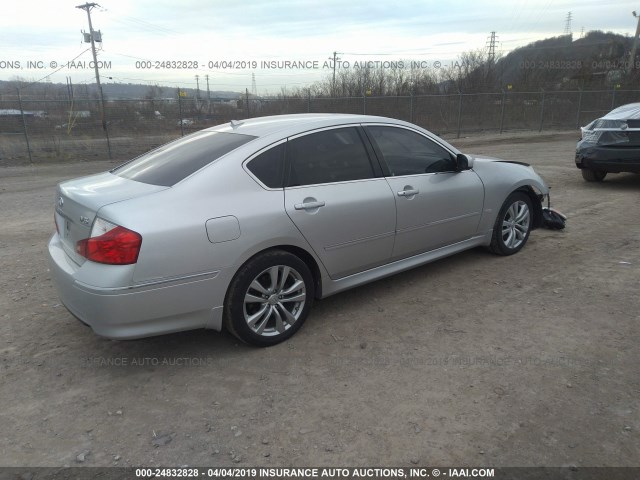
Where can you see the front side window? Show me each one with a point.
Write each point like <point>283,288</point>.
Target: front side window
<point>336,155</point>
<point>175,161</point>
<point>408,153</point>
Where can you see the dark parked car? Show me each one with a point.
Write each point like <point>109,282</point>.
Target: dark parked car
<point>610,144</point>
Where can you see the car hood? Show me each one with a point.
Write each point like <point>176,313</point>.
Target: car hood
<point>497,173</point>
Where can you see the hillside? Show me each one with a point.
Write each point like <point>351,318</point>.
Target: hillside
<point>112,91</point>
<point>597,59</point>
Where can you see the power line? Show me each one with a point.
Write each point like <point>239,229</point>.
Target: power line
<point>28,85</point>
<point>138,22</point>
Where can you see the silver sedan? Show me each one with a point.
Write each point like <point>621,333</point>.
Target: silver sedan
<point>244,225</point>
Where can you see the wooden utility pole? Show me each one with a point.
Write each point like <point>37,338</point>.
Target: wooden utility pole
<point>87,7</point>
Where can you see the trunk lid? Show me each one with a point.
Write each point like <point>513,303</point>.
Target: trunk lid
<point>78,202</point>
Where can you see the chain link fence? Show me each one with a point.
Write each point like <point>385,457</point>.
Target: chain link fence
<point>38,131</point>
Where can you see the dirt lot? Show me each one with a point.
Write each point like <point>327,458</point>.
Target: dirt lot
<point>474,360</point>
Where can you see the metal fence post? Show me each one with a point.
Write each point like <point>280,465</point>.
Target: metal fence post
<point>613,98</point>
<point>504,99</point>
<point>579,108</point>
<point>459,114</point>
<point>541,111</point>
<point>434,111</point>
<point>24,126</point>
<point>180,112</point>
<point>411,116</point>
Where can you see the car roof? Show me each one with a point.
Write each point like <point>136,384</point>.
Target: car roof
<point>629,111</point>
<point>287,125</point>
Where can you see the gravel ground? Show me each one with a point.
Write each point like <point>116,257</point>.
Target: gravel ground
<point>473,360</point>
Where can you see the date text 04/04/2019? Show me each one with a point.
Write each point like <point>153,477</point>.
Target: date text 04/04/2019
<point>264,473</point>
<point>223,64</point>
<point>195,64</point>
<point>221,472</point>
<point>277,64</point>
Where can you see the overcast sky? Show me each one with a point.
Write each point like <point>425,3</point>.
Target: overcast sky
<point>48,34</point>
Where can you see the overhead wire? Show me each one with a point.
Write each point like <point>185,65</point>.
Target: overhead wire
<point>63,65</point>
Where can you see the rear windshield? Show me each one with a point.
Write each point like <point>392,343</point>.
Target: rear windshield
<point>175,161</point>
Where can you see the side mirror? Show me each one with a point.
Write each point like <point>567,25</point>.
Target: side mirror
<point>464,162</point>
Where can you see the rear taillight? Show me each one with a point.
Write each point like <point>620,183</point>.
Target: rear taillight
<point>111,244</point>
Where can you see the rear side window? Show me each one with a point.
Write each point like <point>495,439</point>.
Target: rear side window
<point>330,156</point>
<point>268,167</point>
<point>175,161</point>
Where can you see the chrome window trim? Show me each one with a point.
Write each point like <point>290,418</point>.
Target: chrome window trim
<point>323,129</point>
<point>395,125</point>
<point>360,180</point>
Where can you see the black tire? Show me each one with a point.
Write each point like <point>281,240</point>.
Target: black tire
<point>511,233</point>
<point>593,175</point>
<point>256,310</point>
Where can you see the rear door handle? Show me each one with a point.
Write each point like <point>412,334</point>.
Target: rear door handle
<point>308,205</point>
<point>408,193</point>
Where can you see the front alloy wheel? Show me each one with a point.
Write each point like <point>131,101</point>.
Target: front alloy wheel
<point>269,298</point>
<point>513,225</point>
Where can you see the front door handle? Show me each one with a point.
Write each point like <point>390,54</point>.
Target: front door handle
<point>408,193</point>
<point>308,205</point>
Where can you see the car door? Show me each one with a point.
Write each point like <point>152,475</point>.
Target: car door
<point>339,202</point>
<point>436,205</point>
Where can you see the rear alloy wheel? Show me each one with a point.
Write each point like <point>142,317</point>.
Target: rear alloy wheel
<point>269,299</point>
<point>593,175</point>
<point>513,225</point>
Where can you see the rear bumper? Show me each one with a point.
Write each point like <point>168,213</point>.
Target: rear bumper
<point>609,159</point>
<point>141,310</point>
